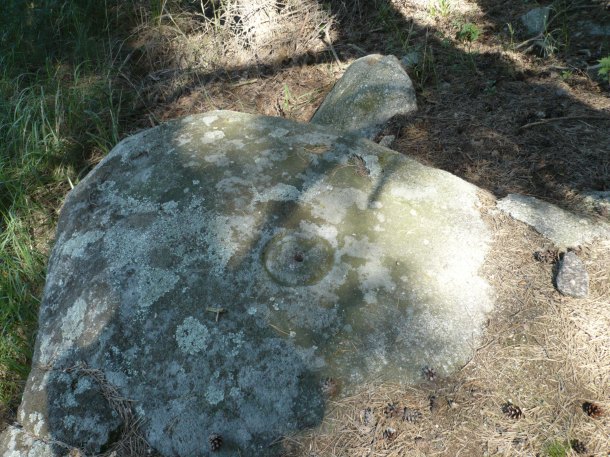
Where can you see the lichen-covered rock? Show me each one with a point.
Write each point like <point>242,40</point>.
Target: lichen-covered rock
<point>562,227</point>
<point>572,277</point>
<point>216,269</point>
<point>16,442</point>
<point>372,91</point>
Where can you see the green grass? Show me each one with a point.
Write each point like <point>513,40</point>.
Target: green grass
<point>393,25</point>
<point>61,105</point>
<point>440,8</point>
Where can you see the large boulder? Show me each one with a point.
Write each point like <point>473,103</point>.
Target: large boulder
<point>211,273</point>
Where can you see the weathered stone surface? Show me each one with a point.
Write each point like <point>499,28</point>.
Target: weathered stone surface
<point>535,20</point>
<point>565,229</point>
<point>572,277</point>
<point>16,442</point>
<point>373,89</point>
<point>216,268</point>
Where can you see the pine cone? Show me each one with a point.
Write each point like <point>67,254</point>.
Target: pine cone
<point>330,387</point>
<point>410,415</point>
<point>593,410</point>
<point>578,446</point>
<point>215,441</point>
<point>548,256</point>
<point>512,411</point>
<point>390,434</point>
<point>366,416</point>
<point>390,411</point>
<point>432,402</point>
<point>428,373</point>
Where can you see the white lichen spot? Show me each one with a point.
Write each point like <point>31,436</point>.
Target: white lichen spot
<point>209,120</point>
<point>69,400</point>
<point>412,212</point>
<point>220,159</point>
<point>252,310</point>
<point>376,205</point>
<point>196,182</point>
<point>72,325</point>
<point>170,207</point>
<point>235,392</point>
<point>332,205</point>
<point>238,144</point>
<point>76,246</point>
<point>214,394</point>
<point>279,192</point>
<point>263,162</point>
<point>381,217</point>
<point>192,336</point>
<point>225,237</point>
<point>84,384</point>
<point>326,231</point>
<point>278,133</point>
<point>212,137</point>
<point>37,420</point>
<point>238,341</point>
<point>184,139</point>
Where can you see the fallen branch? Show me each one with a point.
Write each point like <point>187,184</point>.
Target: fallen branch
<point>566,118</point>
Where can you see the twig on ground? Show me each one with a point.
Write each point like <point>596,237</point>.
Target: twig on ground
<point>357,48</point>
<point>566,118</point>
<point>528,41</point>
<point>330,44</point>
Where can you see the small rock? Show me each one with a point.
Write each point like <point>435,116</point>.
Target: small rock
<point>372,91</point>
<point>572,277</point>
<point>411,59</point>
<point>387,140</point>
<point>535,20</point>
<point>593,29</point>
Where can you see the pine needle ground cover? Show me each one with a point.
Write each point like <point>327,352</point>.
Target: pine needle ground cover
<point>76,77</point>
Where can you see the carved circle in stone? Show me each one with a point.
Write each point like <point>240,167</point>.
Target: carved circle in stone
<point>294,259</point>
